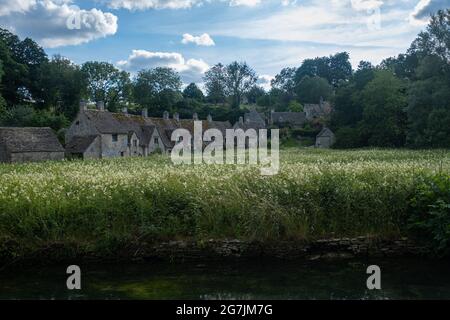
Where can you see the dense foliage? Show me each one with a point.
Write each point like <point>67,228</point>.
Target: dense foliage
<point>103,206</point>
<point>403,102</point>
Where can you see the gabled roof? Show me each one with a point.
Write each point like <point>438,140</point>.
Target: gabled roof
<point>256,117</point>
<point>297,118</point>
<point>119,123</point>
<point>79,144</point>
<point>105,122</point>
<point>30,140</point>
<point>325,132</point>
<point>248,125</point>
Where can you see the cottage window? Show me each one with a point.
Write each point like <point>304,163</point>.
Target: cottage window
<point>77,123</point>
<point>122,154</point>
<point>156,141</point>
<point>135,143</point>
<point>115,138</point>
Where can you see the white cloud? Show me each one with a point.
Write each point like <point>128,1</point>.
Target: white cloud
<point>151,4</point>
<point>248,3</point>
<point>423,10</point>
<point>11,6</point>
<point>191,70</point>
<point>340,22</point>
<point>175,4</point>
<point>54,23</point>
<point>364,5</point>
<point>203,40</point>
<point>265,81</point>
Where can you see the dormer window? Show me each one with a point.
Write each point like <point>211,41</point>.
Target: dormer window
<point>156,141</point>
<point>115,138</point>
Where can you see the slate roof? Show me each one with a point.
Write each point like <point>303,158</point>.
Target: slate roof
<point>325,132</point>
<point>105,122</point>
<point>28,139</point>
<point>79,144</point>
<point>119,123</point>
<point>296,118</point>
<point>255,117</point>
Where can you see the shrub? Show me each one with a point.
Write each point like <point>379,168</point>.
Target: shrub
<point>430,207</point>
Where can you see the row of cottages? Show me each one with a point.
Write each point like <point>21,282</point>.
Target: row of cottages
<point>257,120</point>
<point>102,134</point>
<point>311,112</point>
<point>29,144</point>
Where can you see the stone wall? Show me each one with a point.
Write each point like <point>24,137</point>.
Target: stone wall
<point>114,149</point>
<point>287,250</point>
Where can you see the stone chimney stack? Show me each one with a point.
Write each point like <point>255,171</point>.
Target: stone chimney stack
<point>241,120</point>
<point>145,113</point>
<point>209,118</point>
<point>166,115</point>
<point>100,105</point>
<point>195,116</point>
<point>176,116</point>
<point>83,105</point>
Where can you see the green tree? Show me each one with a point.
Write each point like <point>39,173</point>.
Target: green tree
<point>295,106</point>
<point>239,79</point>
<point>104,82</point>
<point>62,85</point>
<point>334,69</point>
<point>192,91</point>
<point>215,84</point>
<point>311,89</point>
<point>384,101</point>
<point>254,94</point>
<point>157,89</point>
<point>429,94</point>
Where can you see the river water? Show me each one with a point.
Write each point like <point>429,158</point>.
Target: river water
<point>400,279</point>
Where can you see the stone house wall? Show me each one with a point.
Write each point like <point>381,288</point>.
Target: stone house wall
<point>94,150</point>
<point>112,149</point>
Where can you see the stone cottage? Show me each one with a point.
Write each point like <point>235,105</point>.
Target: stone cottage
<point>287,119</point>
<point>325,138</point>
<point>314,111</point>
<point>102,134</point>
<point>29,144</point>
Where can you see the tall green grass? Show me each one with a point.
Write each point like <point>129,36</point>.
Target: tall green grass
<point>106,205</point>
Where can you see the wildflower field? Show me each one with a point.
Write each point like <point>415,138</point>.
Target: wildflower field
<point>101,206</point>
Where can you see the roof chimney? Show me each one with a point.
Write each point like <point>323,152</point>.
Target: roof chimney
<point>83,105</point>
<point>145,113</point>
<point>209,118</point>
<point>100,106</point>
<point>125,110</point>
<point>166,115</point>
<point>195,116</point>
<point>241,120</point>
<point>176,116</point>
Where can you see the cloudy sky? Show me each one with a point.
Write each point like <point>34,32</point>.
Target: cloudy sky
<point>192,35</point>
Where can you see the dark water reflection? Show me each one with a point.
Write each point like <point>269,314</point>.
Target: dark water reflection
<point>401,279</point>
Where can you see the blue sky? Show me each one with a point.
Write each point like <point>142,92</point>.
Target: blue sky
<point>268,34</point>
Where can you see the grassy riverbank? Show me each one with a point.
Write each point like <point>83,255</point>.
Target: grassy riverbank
<point>104,206</point>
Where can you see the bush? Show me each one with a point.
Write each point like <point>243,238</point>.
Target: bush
<point>430,207</point>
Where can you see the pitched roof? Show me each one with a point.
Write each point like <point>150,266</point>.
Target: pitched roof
<point>119,123</point>
<point>248,125</point>
<point>105,122</point>
<point>256,117</point>
<point>297,118</point>
<point>30,140</point>
<point>325,132</point>
<point>79,144</point>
